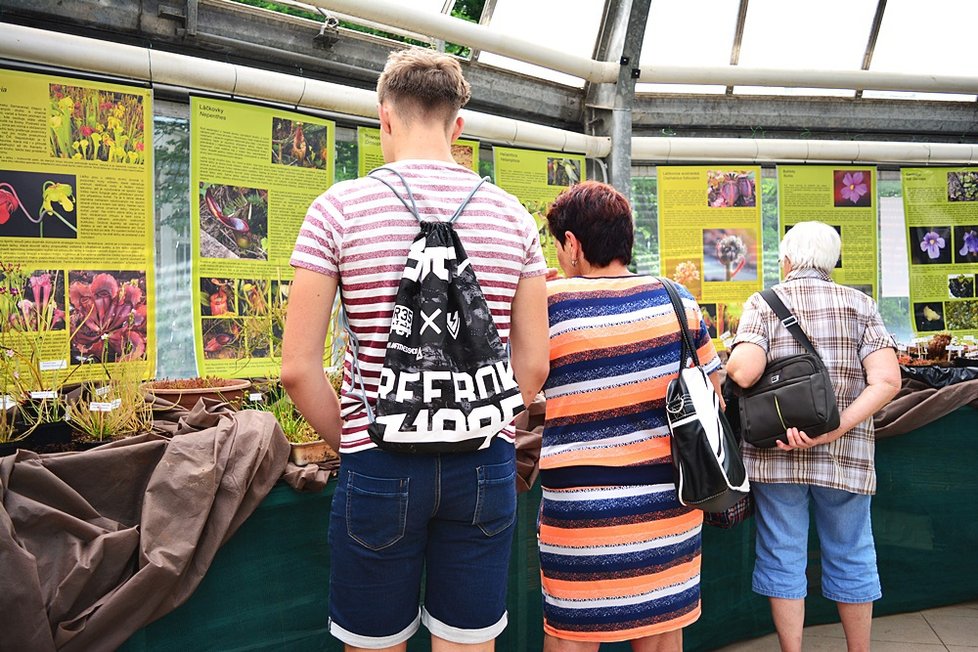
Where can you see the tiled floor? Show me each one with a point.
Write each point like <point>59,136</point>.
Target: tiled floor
<point>947,629</point>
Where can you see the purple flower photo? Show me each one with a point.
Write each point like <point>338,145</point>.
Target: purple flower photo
<point>852,188</point>
<point>966,244</point>
<point>930,245</point>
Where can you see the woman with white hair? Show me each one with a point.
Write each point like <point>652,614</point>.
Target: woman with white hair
<point>833,471</point>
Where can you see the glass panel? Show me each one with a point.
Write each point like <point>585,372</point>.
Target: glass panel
<point>689,33</point>
<point>779,90</point>
<point>937,36</point>
<point>904,95</point>
<point>702,89</point>
<point>569,26</point>
<point>830,34</point>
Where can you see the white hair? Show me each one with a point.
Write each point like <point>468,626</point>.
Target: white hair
<point>811,245</point>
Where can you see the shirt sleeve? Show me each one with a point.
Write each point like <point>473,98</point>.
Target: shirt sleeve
<point>318,245</point>
<point>751,328</point>
<point>875,335</point>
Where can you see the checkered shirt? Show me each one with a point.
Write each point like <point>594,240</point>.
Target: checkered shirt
<point>845,326</point>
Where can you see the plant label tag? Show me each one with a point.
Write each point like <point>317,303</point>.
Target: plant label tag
<point>45,394</point>
<point>970,338</point>
<point>954,347</point>
<point>726,338</point>
<point>53,365</point>
<point>8,402</point>
<point>102,391</point>
<point>255,397</point>
<point>105,407</point>
<point>901,347</point>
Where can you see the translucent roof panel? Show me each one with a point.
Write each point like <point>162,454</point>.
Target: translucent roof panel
<point>936,36</point>
<point>569,26</point>
<point>831,35</point>
<point>677,35</point>
<point>904,95</point>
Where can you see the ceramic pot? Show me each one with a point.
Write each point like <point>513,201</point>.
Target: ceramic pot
<point>232,393</point>
<point>311,452</point>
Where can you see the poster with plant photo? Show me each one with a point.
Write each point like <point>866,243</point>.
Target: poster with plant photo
<point>370,155</point>
<point>536,178</point>
<point>254,172</point>
<point>941,210</point>
<point>710,235</point>
<point>844,197</point>
<point>77,295</point>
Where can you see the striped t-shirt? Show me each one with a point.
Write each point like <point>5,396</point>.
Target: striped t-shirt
<point>614,347</point>
<point>360,232</point>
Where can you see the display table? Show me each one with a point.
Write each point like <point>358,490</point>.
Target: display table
<point>267,587</point>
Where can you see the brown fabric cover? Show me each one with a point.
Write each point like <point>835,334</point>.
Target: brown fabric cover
<point>95,545</point>
<point>918,404</point>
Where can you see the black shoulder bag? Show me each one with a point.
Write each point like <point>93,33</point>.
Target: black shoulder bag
<point>708,469</point>
<point>793,392</point>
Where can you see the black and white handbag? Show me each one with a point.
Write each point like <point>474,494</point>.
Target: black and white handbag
<point>708,469</point>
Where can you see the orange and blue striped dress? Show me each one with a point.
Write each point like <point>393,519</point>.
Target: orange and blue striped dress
<point>619,556</point>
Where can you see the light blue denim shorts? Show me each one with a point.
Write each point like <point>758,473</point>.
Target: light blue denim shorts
<point>845,535</point>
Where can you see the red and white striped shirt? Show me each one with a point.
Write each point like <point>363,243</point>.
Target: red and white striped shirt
<point>360,232</point>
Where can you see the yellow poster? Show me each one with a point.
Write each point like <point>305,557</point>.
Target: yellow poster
<point>254,172</point>
<point>370,155</point>
<point>844,197</point>
<point>941,210</point>
<point>536,178</point>
<point>76,231</point>
<point>710,238</point>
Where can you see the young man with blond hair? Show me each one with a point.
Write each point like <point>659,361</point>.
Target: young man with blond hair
<point>396,517</point>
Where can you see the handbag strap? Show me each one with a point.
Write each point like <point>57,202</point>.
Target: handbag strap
<point>789,321</point>
<point>688,349</point>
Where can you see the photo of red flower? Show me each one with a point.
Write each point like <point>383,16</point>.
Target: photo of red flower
<point>108,315</point>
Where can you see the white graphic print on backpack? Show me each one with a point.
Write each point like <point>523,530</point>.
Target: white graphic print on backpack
<point>446,384</point>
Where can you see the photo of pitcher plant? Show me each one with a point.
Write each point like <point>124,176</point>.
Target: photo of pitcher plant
<point>89,124</point>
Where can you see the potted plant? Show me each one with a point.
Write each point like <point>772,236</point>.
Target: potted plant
<point>103,411</point>
<point>187,391</point>
<point>306,444</point>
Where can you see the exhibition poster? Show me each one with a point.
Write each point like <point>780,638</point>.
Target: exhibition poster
<point>710,238</point>
<point>941,212</point>
<point>536,178</point>
<point>370,155</point>
<point>77,296</point>
<point>254,172</point>
<point>843,197</point>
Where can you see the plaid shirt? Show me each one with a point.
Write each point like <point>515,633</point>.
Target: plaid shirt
<point>845,326</point>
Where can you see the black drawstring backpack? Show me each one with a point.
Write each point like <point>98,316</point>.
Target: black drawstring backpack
<point>446,384</point>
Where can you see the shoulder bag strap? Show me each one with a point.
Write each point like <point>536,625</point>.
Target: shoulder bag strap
<point>788,320</point>
<point>688,348</point>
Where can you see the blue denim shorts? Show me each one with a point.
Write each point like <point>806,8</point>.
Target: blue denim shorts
<point>845,536</point>
<point>397,518</point>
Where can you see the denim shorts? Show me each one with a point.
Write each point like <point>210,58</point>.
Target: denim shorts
<point>397,518</point>
<point>845,535</point>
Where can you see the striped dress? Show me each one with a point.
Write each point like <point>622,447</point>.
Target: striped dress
<point>360,231</point>
<point>619,556</point>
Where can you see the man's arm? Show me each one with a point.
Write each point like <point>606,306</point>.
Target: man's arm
<point>529,336</point>
<point>310,304</point>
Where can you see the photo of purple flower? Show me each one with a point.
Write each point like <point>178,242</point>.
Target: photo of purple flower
<point>929,245</point>
<point>932,243</point>
<point>852,188</point>
<point>966,244</point>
